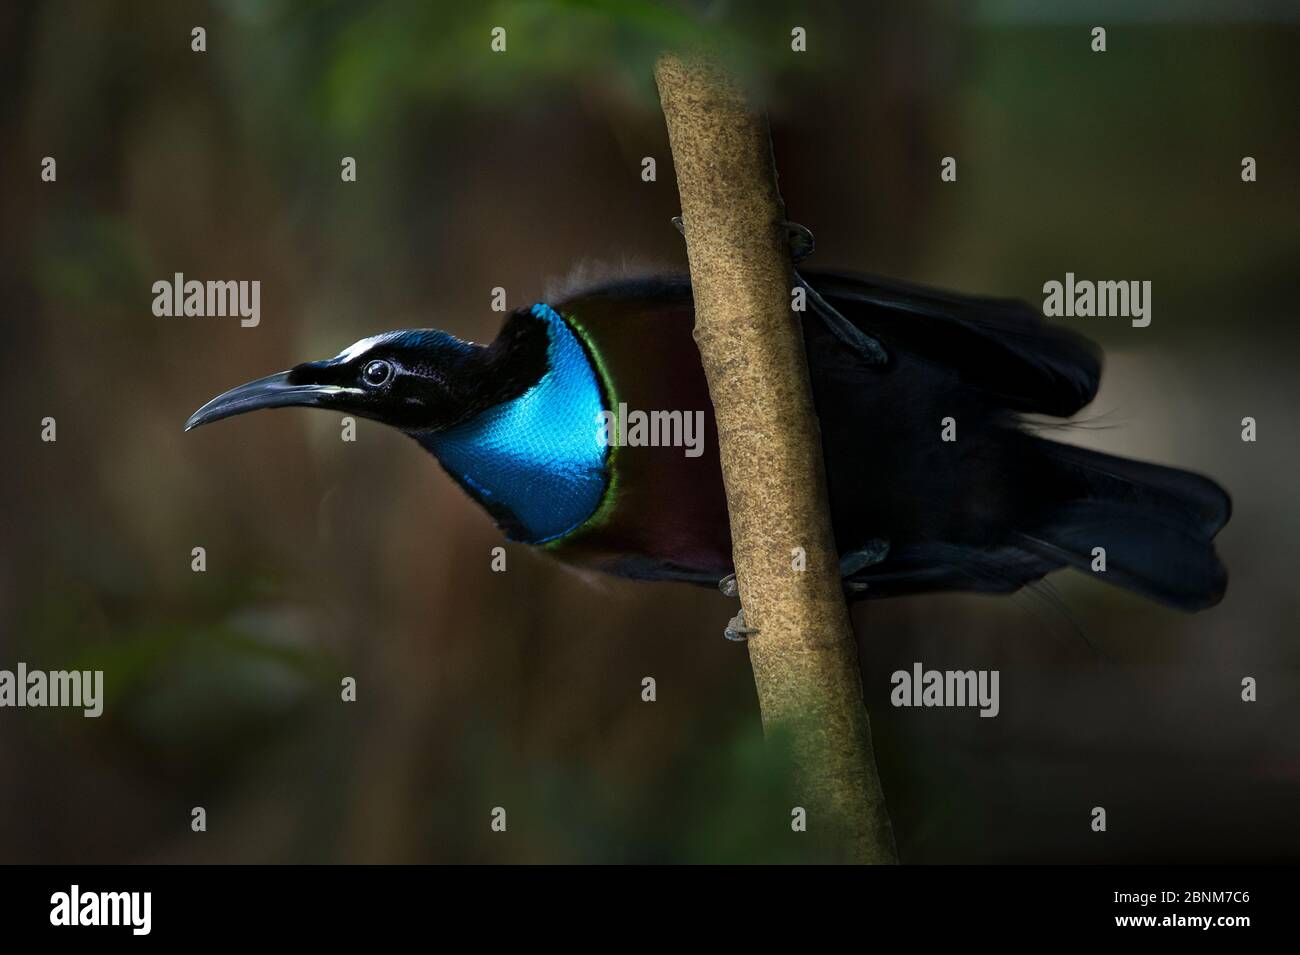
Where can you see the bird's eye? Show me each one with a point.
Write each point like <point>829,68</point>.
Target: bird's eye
<point>377,373</point>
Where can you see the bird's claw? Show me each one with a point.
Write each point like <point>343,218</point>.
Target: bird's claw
<point>736,628</point>
<point>872,552</point>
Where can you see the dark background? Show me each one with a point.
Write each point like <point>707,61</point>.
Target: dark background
<point>522,689</point>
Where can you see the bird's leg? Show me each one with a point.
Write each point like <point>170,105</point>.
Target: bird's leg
<point>873,552</point>
<point>867,347</point>
<point>802,244</point>
<point>736,628</point>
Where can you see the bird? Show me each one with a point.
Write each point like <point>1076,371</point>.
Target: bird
<point>993,508</point>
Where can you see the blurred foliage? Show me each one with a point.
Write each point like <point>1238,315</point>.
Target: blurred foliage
<point>366,61</point>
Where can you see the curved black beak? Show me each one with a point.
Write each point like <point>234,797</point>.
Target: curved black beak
<point>273,391</point>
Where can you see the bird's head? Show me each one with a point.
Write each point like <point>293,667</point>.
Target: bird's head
<point>416,381</point>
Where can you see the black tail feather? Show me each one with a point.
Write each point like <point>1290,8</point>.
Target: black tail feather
<point>1005,507</point>
<point>1156,525</point>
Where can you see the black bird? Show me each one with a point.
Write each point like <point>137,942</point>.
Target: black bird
<point>519,425</point>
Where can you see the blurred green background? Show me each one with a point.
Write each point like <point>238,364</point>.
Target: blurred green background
<point>522,690</point>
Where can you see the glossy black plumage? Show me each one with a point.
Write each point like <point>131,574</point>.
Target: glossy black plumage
<point>995,509</point>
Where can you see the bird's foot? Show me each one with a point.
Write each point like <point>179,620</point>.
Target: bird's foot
<point>800,238</point>
<point>737,629</point>
<point>872,552</point>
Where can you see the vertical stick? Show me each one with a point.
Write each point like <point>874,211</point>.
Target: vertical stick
<point>804,658</point>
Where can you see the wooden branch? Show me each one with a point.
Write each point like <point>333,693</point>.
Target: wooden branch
<point>804,657</point>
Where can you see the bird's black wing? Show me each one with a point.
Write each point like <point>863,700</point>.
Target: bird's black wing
<point>1001,347</point>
